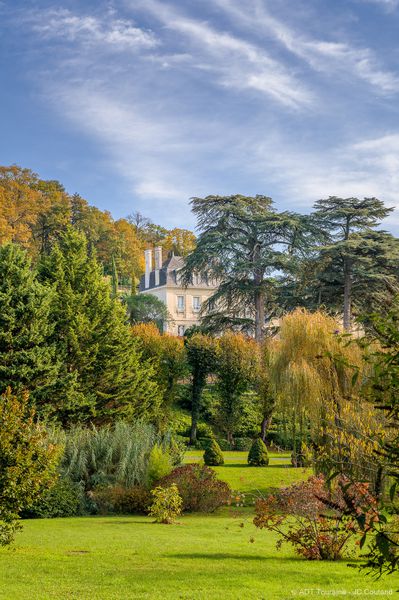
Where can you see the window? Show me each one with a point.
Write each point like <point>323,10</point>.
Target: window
<point>196,303</point>
<point>180,330</point>
<point>180,303</point>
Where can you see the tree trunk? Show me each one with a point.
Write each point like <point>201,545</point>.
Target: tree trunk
<point>259,315</point>
<point>195,407</point>
<point>347,295</point>
<point>264,427</point>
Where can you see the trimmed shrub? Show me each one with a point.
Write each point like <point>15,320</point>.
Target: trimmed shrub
<point>119,499</point>
<point>167,504</point>
<point>213,456</point>
<point>65,499</point>
<point>198,487</point>
<point>258,456</point>
<point>159,464</point>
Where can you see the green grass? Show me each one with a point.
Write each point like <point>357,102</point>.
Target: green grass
<point>203,557</point>
<point>254,481</point>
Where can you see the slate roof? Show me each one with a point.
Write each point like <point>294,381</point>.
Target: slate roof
<point>167,275</point>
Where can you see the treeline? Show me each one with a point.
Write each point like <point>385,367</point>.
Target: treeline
<point>34,213</point>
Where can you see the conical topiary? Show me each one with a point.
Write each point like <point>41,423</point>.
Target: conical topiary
<point>213,456</point>
<point>258,456</point>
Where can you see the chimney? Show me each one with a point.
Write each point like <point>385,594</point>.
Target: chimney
<point>158,263</point>
<point>148,267</point>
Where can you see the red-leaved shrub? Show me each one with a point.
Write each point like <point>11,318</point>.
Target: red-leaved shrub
<point>198,487</point>
<point>316,521</point>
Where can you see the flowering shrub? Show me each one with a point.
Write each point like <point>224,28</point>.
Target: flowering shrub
<point>198,487</point>
<point>317,522</point>
<point>167,504</point>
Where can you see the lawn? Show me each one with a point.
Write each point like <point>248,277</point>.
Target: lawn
<point>254,481</point>
<point>204,557</point>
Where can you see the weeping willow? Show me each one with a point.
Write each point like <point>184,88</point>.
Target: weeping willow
<point>318,377</point>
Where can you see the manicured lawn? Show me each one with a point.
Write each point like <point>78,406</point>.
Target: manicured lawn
<point>205,557</point>
<point>254,481</point>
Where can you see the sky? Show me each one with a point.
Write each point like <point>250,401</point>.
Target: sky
<point>139,105</point>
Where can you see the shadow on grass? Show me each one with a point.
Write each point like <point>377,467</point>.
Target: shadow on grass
<point>217,556</point>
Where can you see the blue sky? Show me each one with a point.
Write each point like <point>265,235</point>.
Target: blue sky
<point>141,104</point>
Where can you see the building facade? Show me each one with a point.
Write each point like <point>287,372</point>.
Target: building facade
<point>162,279</point>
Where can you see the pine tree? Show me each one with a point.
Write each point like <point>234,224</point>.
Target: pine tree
<point>114,279</point>
<point>28,359</point>
<point>102,373</point>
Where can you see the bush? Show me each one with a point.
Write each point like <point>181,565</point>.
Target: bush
<point>65,499</point>
<point>159,464</point>
<point>167,504</point>
<point>242,444</point>
<point>119,499</point>
<point>258,456</point>
<point>198,487</point>
<point>224,444</point>
<point>213,456</point>
<point>315,520</point>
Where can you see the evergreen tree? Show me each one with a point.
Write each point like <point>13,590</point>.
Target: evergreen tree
<point>102,373</point>
<point>28,359</point>
<point>357,264</point>
<point>213,456</point>
<point>244,243</point>
<point>114,279</point>
<point>257,455</point>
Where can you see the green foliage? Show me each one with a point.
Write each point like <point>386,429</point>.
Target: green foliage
<point>122,500</point>
<point>213,456</point>
<point>27,462</point>
<point>146,308</point>
<point>199,488</point>
<point>241,245</point>
<point>64,499</point>
<point>258,455</point>
<point>167,504</point>
<point>28,357</point>
<point>235,367</point>
<point>201,358</point>
<point>102,374</point>
<point>108,455</point>
<point>159,464</point>
<point>302,456</point>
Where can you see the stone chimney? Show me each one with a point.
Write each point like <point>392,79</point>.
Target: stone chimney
<point>148,267</point>
<point>158,263</point>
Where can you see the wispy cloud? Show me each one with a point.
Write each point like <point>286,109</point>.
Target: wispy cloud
<point>235,62</point>
<point>61,23</point>
<point>322,55</point>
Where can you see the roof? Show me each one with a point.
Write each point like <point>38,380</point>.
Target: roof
<point>168,275</point>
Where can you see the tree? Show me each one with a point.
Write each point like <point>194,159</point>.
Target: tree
<point>28,462</point>
<point>201,358</point>
<point>167,354</point>
<point>114,279</point>
<point>263,385</point>
<point>145,308</point>
<point>28,357</point>
<point>356,261</point>
<point>235,367</point>
<point>244,243</point>
<point>318,379</point>
<point>102,373</point>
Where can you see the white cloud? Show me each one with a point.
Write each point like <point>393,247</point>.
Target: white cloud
<point>118,34</point>
<point>235,62</point>
<point>321,55</point>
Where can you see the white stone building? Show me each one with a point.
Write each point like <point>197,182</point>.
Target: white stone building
<point>163,281</point>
